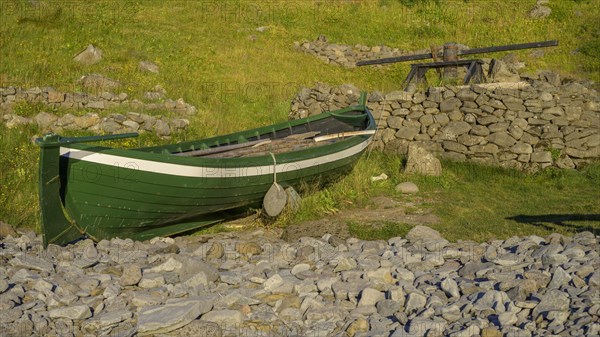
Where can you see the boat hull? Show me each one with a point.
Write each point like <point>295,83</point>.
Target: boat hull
<point>131,198</point>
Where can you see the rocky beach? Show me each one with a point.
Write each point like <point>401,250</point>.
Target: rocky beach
<point>253,283</point>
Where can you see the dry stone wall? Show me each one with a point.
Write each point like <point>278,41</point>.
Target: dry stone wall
<point>346,55</point>
<point>133,121</point>
<point>113,123</point>
<point>105,100</point>
<point>526,125</point>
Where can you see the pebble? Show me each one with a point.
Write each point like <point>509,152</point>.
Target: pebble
<point>370,297</point>
<point>3,285</point>
<point>132,274</point>
<point>450,287</point>
<point>420,285</point>
<point>152,280</point>
<point>299,268</point>
<point>507,318</point>
<point>414,302</point>
<point>407,188</point>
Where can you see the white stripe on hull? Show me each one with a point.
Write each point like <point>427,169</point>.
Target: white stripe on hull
<point>206,172</point>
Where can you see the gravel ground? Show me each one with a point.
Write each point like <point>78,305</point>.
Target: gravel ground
<point>255,284</point>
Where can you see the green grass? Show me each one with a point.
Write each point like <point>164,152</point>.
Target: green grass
<point>207,57</point>
<point>474,202</point>
<point>484,201</point>
<point>353,190</point>
<point>18,177</point>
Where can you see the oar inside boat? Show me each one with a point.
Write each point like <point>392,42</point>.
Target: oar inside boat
<point>344,135</point>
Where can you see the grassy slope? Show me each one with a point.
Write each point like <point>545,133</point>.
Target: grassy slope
<point>207,57</point>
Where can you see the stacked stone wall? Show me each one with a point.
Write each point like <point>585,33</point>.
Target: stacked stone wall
<point>525,125</point>
<point>104,100</point>
<point>346,55</point>
<point>142,119</point>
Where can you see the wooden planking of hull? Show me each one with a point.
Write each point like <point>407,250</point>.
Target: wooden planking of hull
<point>101,193</point>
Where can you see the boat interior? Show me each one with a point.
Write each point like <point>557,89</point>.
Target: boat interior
<point>283,137</point>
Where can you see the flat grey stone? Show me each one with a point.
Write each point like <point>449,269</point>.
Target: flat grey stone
<point>41,285</point>
<point>230,277</point>
<point>344,264</point>
<point>507,260</point>
<point>9,316</point>
<point>192,266</point>
<point>171,315</point>
<point>554,259</point>
<point>33,263</point>
<point>76,312</point>
<point>451,313</point>
<point>421,161</point>
<point>426,327</point>
<point>170,265</point>
<point>199,279</point>
<point>273,282</point>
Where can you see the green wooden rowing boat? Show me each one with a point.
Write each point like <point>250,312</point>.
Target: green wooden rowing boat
<point>87,190</point>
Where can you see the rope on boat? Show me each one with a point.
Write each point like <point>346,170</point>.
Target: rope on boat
<point>275,171</point>
<point>377,126</point>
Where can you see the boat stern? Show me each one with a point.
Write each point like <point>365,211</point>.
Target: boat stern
<point>56,227</point>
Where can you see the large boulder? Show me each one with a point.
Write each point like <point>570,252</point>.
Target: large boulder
<point>422,161</point>
<point>423,233</point>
